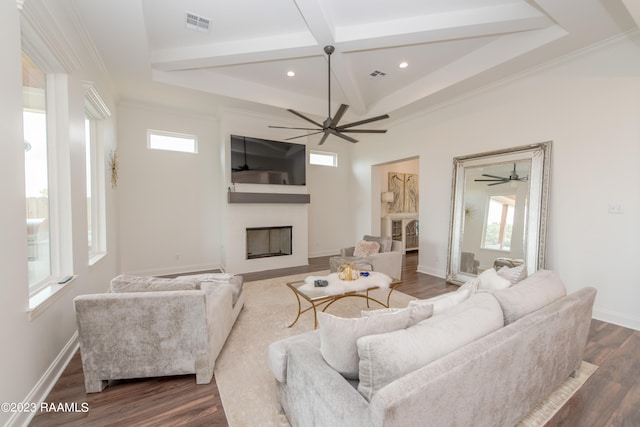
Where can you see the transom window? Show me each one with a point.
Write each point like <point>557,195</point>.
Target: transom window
<point>159,140</point>
<point>323,158</point>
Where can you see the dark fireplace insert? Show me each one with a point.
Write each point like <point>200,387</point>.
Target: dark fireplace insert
<point>263,242</point>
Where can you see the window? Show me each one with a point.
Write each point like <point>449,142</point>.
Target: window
<point>323,158</point>
<point>499,224</point>
<point>36,166</point>
<point>96,111</point>
<point>47,60</point>
<point>158,140</point>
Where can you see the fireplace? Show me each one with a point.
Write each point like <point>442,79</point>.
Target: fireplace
<point>263,242</point>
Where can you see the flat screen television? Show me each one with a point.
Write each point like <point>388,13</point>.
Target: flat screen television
<point>262,161</point>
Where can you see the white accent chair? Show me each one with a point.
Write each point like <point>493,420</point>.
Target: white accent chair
<point>387,261</point>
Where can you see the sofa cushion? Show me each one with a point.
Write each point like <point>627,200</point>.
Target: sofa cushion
<point>364,248</point>
<point>383,241</point>
<point>490,280</point>
<point>130,283</point>
<point>513,274</point>
<point>417,312</point>
<point>444,302</point>
<point>209,280</point>
<point>338,337</point>
<point>389,356</point>
<point>541,288</point>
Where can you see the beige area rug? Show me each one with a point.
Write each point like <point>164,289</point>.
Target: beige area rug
<point>242,374</point>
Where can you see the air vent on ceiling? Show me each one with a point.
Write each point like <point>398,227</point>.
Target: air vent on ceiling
<point>376,74</point>
<point>196,22</point>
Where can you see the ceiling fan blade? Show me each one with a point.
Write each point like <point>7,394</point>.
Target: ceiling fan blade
<point>305,118</point>
<point>336,119</point>
<point>496,177</point>
<point>302,136</point>
<point>361,122</point>
<point>498,183</point>
<point>340,135</point>
<point>324,138</point>
<point>492,180</point>
<point>364,130</point>
<point>287,127</point>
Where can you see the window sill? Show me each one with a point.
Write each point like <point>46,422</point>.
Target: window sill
<point>94,259</point>
<point>39,301</point>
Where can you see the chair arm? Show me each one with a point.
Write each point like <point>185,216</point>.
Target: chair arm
<point>347,251</point>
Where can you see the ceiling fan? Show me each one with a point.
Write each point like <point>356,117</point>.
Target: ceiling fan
<point>330,125</point>
<point>497,180</point>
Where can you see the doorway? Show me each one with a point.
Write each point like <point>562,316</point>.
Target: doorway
<point>396,210</point>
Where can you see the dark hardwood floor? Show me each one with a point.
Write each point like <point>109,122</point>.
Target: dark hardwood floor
<point>611,397</point>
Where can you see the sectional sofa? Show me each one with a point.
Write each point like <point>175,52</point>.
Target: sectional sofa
<point>485,358</point>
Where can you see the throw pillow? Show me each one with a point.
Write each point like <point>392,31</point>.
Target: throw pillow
<point>417,312</point>
<point>471,285</point>
<point>541,288</point>
<point>364,249</point>
<point>444,302</point>
<point>384,241</point>
<point>338,337</point>
<point>513,274</point>
<point>386,357</point>
<point>489,280</point>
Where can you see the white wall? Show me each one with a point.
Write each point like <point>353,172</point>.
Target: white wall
<point>34,351</point>
<point>589,106</point>
<point>170,202</point>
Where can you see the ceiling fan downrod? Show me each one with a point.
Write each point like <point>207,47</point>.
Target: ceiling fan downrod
<point>329,50</point>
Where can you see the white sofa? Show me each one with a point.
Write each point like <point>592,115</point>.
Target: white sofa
<point>149,327</point>
<point>461,367</point>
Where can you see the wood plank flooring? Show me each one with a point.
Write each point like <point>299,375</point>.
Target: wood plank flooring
<point>611,397</point>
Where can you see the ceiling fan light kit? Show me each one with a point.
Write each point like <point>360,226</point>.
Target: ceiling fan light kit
<point>330,125</point>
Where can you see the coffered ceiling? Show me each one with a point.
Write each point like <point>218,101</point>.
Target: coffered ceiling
<point>243,49</point>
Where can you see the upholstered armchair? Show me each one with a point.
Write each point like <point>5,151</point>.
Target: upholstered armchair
<point>149,327</point>
<point>387,260</point>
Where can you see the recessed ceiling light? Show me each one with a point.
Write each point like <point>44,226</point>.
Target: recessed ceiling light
<point>291,73</point>
<point>403,65</point>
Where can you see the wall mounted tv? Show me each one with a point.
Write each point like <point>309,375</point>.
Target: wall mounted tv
<point>261,161</point>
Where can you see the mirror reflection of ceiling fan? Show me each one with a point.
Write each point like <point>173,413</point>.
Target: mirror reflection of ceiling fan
<point>330,125</point>
<point>497,180</point>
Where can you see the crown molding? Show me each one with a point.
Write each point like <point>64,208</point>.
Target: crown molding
<point>95,104</point>
<point>38,23</point>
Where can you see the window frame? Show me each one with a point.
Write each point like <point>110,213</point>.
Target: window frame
<point>324,154</point>
<point>177,136</point>
<point>96,111</point>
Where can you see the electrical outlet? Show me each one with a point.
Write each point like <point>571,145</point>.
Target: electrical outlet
<point>616,208</point>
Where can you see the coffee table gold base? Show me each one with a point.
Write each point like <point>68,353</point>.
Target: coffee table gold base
<point>316,303</point>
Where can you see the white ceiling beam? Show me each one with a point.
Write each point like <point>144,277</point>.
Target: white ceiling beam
<point>323,30</point>
<point>491,55</point>
<point>284,46</point>
<point>479,22</point>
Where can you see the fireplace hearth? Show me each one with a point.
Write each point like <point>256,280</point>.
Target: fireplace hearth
<point>264,242</point>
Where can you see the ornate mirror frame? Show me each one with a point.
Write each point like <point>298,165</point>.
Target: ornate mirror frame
<point>535,222</point>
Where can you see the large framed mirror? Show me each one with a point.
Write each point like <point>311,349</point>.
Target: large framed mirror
<point>499,211</point>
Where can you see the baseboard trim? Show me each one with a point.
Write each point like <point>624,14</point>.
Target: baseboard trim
<point>616,318</point>
<point>43,387</point>
<point>431,271</point>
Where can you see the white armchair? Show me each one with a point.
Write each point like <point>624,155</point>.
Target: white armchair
<point>388,260</point>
